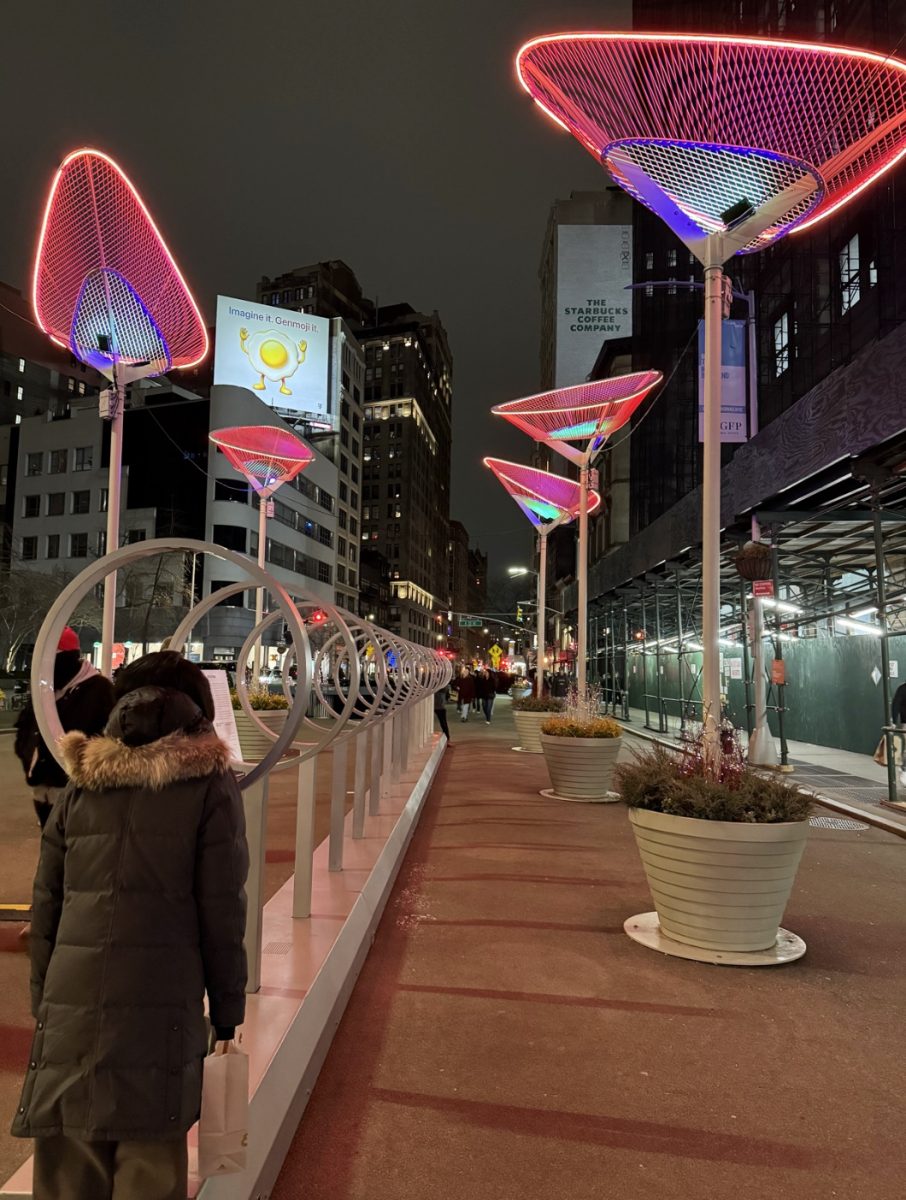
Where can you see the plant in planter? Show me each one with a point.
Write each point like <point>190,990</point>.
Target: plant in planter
<point>529,713</point>
<point>720,846</point>
<point>269,708</point>
<point>580,750</point>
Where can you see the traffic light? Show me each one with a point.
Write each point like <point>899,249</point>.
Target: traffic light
<point>318,617</point>
<point>518,614</point>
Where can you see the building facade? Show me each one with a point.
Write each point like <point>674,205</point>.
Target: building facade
<point>406,470</point>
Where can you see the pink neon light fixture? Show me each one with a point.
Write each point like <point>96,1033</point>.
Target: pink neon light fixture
<point>542,496</point>
<point>105,283</point>
<point>584,412</point>
<point>266,455</point>
<point>693,124</point>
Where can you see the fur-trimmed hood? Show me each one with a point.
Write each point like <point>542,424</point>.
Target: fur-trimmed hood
<point>102,763</point>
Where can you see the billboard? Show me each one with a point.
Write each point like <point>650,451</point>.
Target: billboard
<point>733,416</point>
<point>594,267</point>
<point>279,355</point>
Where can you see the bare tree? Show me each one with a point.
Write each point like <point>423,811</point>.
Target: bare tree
<point>25,598</point>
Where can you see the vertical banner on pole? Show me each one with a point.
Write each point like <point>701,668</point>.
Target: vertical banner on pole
<point>733,406</point>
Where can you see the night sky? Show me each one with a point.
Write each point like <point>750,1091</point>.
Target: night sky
<point>267,136</point>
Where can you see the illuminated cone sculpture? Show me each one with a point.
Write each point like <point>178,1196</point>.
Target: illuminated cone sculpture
<point>106,287</point>
<point>588,413</point>
<point>268,456</point>
<point>548,501</point>
<point>734,143</point>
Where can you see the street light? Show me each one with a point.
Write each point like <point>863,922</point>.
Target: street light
<point>106,286</point>
<point>514,571</point>
<point>771,136</point>
<point>268,456</point>
<point>548,501</point>
<point>588,413</point>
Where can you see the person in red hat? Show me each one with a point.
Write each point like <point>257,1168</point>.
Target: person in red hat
<point>84,702</point>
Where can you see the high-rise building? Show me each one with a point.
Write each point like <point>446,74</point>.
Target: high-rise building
<point>406,478</point>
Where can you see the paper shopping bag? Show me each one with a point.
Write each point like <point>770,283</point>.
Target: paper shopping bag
<point>223,1127</point>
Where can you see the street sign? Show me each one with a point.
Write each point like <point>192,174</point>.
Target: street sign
<point>470,622</point>
<point>763,588</point>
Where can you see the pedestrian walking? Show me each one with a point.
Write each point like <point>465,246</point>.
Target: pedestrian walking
<point>441,696</point>
<point>149,838</point>
<point>487,691</point>
<point>898,718</point>
<point>84,699</point>
<point>466,693</point>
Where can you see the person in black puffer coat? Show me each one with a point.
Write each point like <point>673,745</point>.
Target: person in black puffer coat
<point>139,910</point>
<point>84,700</point>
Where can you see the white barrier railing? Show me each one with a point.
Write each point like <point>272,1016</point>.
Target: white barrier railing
<point>384,687</point>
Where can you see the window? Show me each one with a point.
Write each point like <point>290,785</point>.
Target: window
<point>344,492</point>
<point>56,504</point>
<point>81,502</point>
<point>353,526</point>
<point>341,574</point>
<point>231,489</point>
<point>671,258</point>
<point>78,545</point>
<point>135,535</point>
<point>324,572</point>
<point>355,473</point>
<point>83,459</point>
<point>53,545</point>
<point>33,463</point>
<point>344,464</point>
<point>21,365</point>
<point>872,272</point>
<point>649,290</point>
<point>101,543</point>
<point>341,518</point>
<point>102,506</point>
<point>341,547</point>
<point>781,343</point>
<point>352,578</point>
<point>57,462</point>
<point>31,506</point>
<point>848,262</point>
<point>29,549</point>
<point>649,260</point>
<point>231,537</point>
<point>235,601</point>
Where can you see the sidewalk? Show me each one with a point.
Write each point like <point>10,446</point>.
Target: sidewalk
<point>507,1040</point>
<point>842,775</point>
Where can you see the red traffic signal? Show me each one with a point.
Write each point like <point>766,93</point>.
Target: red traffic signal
<point>318,617</point>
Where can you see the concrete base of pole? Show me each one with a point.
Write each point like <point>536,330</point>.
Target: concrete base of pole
<point>762,748</point>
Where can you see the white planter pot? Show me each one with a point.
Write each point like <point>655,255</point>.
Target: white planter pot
<point>528,727</point>
<point>581,768</point>
<point>253,742</point>
<point>718,885</point>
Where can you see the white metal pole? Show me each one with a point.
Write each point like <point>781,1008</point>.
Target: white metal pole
<point>259,592</point>
<point>753,368</point>
<point>542,615</point>
<point>762,749</point>
<point>114,486</point>
<point>711,512</point>
<point>582,578</point>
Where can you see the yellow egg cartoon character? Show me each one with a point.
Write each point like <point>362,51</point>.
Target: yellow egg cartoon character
<point>273,355</point>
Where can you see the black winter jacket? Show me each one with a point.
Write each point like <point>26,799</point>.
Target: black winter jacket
<point>85,707</point>
<point>139,909</point>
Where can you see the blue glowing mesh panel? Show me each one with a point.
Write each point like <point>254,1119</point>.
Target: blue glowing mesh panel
<point>108,308</point>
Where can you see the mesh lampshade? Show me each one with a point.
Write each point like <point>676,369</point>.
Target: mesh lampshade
<point>105,284</point>
<point>266,455</point>
<point>693,125</point>
<point>543,497</point>
<point>587,410</point>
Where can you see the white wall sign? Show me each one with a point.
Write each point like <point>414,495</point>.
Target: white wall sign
<point>594,266</point>
<point>894,669</point>
<point>224,717</point>
<point>279,355</point>
<point>733,417</point>
<point>736,668</point>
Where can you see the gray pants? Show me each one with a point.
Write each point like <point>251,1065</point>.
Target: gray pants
<point>69,1169</point>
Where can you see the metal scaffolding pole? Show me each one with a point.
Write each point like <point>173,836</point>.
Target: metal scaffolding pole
<point>881,593</point>
<point>778,654</point>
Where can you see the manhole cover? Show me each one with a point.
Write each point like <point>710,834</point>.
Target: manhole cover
<point>835,823</point>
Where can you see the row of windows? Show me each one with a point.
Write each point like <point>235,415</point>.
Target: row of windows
<point>77,544</point>
<point>58,461</point>
<point>343,520</point>
<point>55,506</point>
<point>297,562</point>
<point>855,278</point>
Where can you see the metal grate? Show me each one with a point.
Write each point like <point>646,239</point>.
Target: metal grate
<point>277,948</point>
<point>835,823</point>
